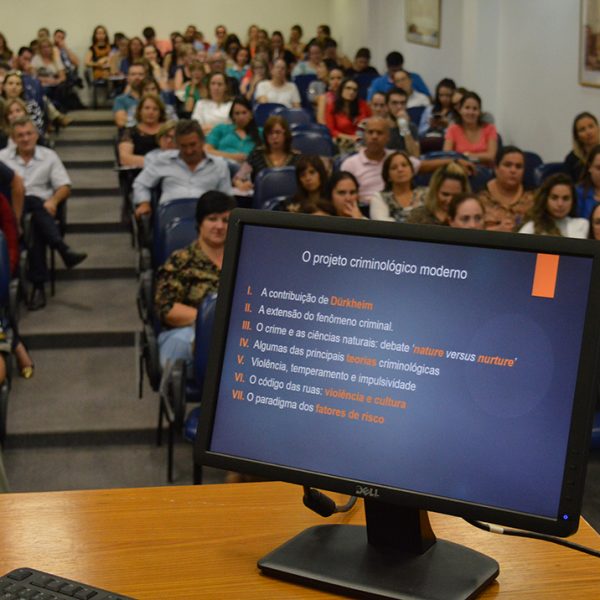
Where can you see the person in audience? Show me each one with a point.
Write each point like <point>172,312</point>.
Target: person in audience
<point>342,193</point>
<point>187,173</point>
<point>151,54</point>
<point>362,64</point>
<point>140,139</point>
<point>188,276</point>
<point>240,66</point>
<point>6,53</point>
<point>117,58</point>
<point>194,89</point>
<point>278,50</point>
<point>252,39</point>
<point>505,200</point>
<point>309,66</point>
<point>448,181</point>
<point>131,96</point>
<point>478,141</point>
<point>135,53</point>
<point>466,211</point>
<point>311,179</point>
<point>217,64</point>
<point>215,109</point>
<point>395,62</point>
<point>278,89</point>
<point>588,189</point>
<point>403,133</point>
<point>13,88</point>
<point>259,71</point>
<point>586,135</point>
<point>237,139</point>
<point>402,80</point>
<point>437,116</point>
<point>47,185</point>
<point>97,56</point>
<point>13,109</point>
<point>366,165</point>
<point>187,55</point>
<point>399,196</point>
<point>295,45</point>
<point>150,86</point>
<point>276,151</point>
<point>378,105</point>
<point>553,211</point>
<point>150,39</point>
<point>332,57</point>
<point>333,79</point>
<point>165,140</point>
<point>50,71</point>
<point>174,59</point>
<point>69,59</point>
<point>343,115</point>
<point>323,32</point>
<point>220,37</point>
<point>594,220</point>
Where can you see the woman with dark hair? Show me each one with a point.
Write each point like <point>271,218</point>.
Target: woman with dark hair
<point>586,135</point>
<point>311,178</point>
<point>276,151</point>
<point>553,211</point>
<point>505,200</point>
<point>239,66</point>
<point>6,53</point>
<point>174,58</point>
<point>237,139</point>
<point>465,211</point>
<point>215,109</point>
<point>135,51</point>
<point>278,49</point>
<point>97,57</point>
<point>448,181</point>
<point>322,92</point>
<point>13,88</point>
<point>295,44</point>
<point>437,117</point>
<point>595,223</point>
<point>470,136</point>
<point>398,197</point>
<point>342,194</point>
<point>588,190</point>
<point>343,115</point>
<point>258,71</point>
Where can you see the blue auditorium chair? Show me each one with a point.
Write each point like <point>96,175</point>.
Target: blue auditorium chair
<point>364,81</point>
<point>313,142</point>
<point>532,162</point>
<point>302,82</point>
<point>263,111</point>
<point>294,116</point>
<point>415,113</point>
<point>318,127</point>
<point>271,183</point>
<point>545,170</point>
<point>480,178</point>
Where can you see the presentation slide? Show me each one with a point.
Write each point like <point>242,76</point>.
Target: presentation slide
<point>439,368</point>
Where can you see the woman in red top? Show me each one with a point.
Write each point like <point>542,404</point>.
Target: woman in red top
<point>344,114</point>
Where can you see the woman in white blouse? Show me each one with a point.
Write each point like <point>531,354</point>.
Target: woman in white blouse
<point>215,109</point>
<point>278,88</point>
<point>553,210</point>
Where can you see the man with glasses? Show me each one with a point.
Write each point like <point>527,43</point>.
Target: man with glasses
<point>403,133</point>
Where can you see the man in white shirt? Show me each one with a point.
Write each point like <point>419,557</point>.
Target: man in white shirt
<point>47,186</point>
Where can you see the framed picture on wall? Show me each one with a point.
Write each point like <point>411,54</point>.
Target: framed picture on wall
<point>589,43</point>
<point>423,22</point>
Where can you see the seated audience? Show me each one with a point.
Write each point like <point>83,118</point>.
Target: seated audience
<point>478,141</point>
<point>252,39</point>
<point>48,66</point>
<point>437,116</point>
<point>465,211</point>
<point>278,88</point>
<point>588,190</point>
<point>150,86</point>
<point>505,200</point>
<point>259,71</point>
<point>97,57</point>
<point>361,64</point>
<point>276,151</point>
<point>309,66</point>
<point>295,45</point>
<point>187,55</point>
<point>399,196</point>
<point>165,140</point>
<point>553,211</point>
<point>344,114</point>
<point>278,50</point>
<point>395,62</point>
<point>151,54</point>
<point>140,139</point>
<point>586,135</point>
<point>220,38</point>
<point>131,96</point>
<point>217,64</point>
<point>402,80</point>
<point>403,133</point>
<point>174,59</point>
<point>188,276</point>
<point>183,174</point>
<point>378,105</point>
<point>240,65</point>
<point>215,109</point>
<point>237,139</point>
<point>311,179</point>
<point>6,53</point>
<point>448,181</point>
<point>13,88</point>
<point>117,58</point>
<point>135,53</point>
<point>342,194</point>
<point>332,57</point>
<point>595,223</point>
<point>47,185</point>
<point>194,89</point>
<point>321,96</point>
<point>150,39</point>
<point>69,59</point>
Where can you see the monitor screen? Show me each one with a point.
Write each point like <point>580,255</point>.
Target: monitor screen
<point>422,366</point>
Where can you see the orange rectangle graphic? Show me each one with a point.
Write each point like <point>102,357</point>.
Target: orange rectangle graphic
<point>544,278</point>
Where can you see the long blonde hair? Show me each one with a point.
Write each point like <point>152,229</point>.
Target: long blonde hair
<point>450,171</point>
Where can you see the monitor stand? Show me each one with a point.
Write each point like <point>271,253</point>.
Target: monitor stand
<point>396,556</point>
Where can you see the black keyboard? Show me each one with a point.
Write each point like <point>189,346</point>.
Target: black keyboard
<point>30,584</point>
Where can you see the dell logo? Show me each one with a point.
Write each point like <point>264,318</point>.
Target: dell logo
<point>367,492</point>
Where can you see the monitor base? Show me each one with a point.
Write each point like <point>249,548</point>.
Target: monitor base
<point>339,559</point>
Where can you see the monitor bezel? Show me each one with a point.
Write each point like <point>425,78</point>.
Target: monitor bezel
<point>585,390</point>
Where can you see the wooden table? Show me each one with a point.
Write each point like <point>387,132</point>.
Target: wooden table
<point>204,541</point>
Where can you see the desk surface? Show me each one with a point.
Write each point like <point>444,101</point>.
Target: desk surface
<point>173,542</point>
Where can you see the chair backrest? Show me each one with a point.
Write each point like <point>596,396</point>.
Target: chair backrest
<point>319,127</point>
<point>532,162</point>
<point>166,212</point>
<point>415,114</point>
<point>302,82</point>
<point>204,327</point>
<point>4,273</point>
<point>544,171</point>
<point>178,234</point>
<point>293,115</point>
<point>364,83</point>
<point>480,178</point>
<point>263,111</point>
<point>270,183</point>
<point>313,142</point>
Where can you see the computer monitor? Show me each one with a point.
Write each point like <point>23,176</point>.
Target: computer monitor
<point>421,368</point>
